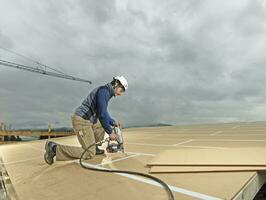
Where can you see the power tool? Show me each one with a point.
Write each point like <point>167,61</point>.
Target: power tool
<point>118,145</point>
<point>113,147</point>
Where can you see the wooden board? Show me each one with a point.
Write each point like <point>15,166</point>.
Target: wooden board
<point>33,179</point>
<point>214,157</point>
<point>198,169</point>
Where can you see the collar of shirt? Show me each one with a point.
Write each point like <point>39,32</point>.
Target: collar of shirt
<point>111,89</point>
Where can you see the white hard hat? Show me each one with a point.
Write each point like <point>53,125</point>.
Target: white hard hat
<point>122,80</point>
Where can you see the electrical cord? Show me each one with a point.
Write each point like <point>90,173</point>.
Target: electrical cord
<point>168,190</point>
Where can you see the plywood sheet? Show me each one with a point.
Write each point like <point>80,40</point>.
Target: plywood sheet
<point>212,157</point>
<point>34,179</point>
<point>199,169</point>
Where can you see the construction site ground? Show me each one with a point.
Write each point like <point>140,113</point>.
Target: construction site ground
<point>28,177</point>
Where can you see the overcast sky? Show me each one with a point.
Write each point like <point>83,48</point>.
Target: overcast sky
<point>187,61</point>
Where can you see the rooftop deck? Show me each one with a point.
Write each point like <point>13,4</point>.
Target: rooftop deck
<point>31,178</point>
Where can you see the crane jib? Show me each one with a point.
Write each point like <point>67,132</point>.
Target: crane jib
<point>41,71</point>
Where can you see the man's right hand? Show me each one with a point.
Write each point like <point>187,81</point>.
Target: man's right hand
<point>113,136</point>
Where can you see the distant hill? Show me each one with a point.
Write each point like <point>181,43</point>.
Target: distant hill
<point>68,129</point>
<point>60,129</point>
<point>149,125</point>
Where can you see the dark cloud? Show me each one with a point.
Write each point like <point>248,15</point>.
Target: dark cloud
<point>101,11</point>
<point>186,61</point>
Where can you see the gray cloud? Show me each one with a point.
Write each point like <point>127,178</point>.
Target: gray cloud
<point>5,41</point>
<point>186,61</point>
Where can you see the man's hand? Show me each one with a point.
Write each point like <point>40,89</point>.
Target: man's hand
<point>118,124</point>
<point>113,136</point>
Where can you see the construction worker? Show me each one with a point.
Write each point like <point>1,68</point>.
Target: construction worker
<point>90,122</point>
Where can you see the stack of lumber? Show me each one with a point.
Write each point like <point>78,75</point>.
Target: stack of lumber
<point>209,160</point>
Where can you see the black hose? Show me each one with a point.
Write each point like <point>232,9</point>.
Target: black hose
<point>169,192</point>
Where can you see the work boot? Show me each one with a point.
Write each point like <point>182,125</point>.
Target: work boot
<point>50,152</point>
<point>99,151</point>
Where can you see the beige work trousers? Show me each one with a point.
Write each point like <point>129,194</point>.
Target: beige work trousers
<point>87,134</point>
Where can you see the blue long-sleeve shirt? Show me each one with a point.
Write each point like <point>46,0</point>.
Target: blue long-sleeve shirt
<point>103,96</point>
<point>95,107</point>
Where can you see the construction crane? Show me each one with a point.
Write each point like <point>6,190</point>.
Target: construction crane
<point>40,71</point>
<point>41,68</point>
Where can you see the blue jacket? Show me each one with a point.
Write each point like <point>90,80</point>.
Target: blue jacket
<point>94,107</point>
